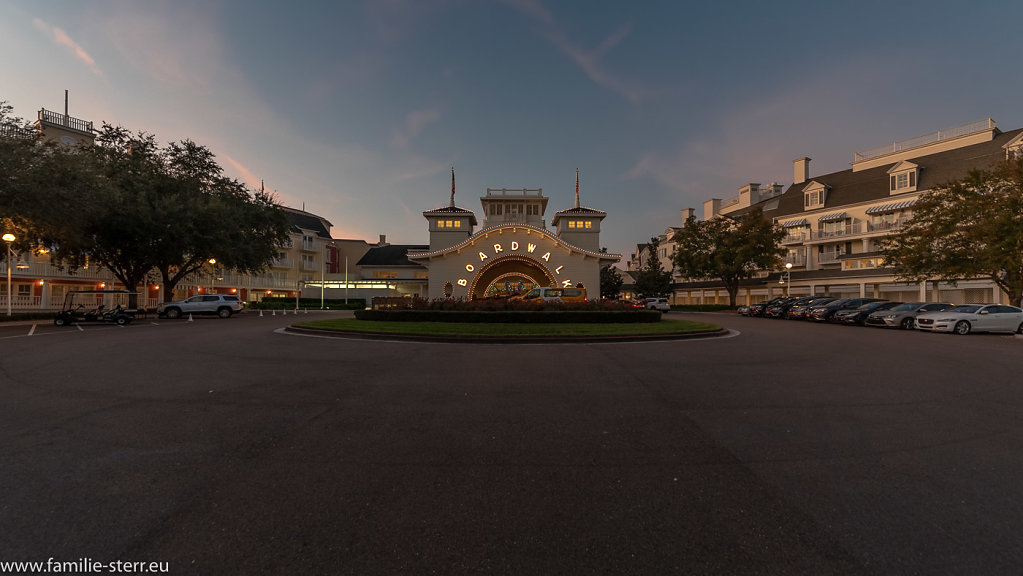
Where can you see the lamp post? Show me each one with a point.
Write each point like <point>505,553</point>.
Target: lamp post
<point>10,254</point>
<point>786,277</point>
<point>346,279</point>
<point>213,275</point>
<point>323,270</point>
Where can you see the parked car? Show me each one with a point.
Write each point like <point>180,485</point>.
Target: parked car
<point>856,316</point>
<point>904,315</point>
<point>657,304</point>
<point>798,311</point>
<point>780,309</point>
<point>760,308</point>
<point>223,305</point>
<point>825,312</point>
<point>973,318</point>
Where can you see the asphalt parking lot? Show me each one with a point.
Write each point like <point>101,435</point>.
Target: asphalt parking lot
<point>225,446</point>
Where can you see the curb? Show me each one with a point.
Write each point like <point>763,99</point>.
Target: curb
<point>505,339</point>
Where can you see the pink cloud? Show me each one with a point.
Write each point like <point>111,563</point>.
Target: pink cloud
<point>60,37</point>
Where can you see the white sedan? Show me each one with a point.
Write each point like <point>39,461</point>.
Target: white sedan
<point>973,318</point>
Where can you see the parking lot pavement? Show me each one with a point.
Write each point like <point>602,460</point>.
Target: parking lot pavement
<point>222,446</point>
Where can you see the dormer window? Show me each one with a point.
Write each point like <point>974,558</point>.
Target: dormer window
<point>1014,148</point>
<point>814,195</point>
<point>903,177</point>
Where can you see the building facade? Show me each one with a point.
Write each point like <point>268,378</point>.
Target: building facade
<point>514,251</point>
<point>833,221</point>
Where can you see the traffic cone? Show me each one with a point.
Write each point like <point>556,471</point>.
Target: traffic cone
<point>190,317</point>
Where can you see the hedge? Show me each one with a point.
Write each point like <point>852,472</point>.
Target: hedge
<point>701,307</point>
<point>279,303</point>
<point>513,317</point>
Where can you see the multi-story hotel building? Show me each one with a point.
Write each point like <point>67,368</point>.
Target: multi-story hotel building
<point>833,221</point>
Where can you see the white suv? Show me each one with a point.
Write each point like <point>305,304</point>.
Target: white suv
<point>658,304</point>
<point>223,305</point>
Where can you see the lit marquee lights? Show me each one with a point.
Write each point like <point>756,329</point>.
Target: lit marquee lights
<point>514,246</point>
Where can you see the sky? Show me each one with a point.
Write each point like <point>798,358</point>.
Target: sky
<point>357,111</point>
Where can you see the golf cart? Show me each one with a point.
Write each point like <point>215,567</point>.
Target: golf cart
<point>113,306</point>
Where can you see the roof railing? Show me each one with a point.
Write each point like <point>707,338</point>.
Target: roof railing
<point>931,138</point>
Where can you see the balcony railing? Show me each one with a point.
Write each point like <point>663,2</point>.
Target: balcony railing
<point>885,226</point>
<point>829,256</point>
<point>59,119</point>
<point>840,232</point>
<point>795,260</point>
<point>796,238</point>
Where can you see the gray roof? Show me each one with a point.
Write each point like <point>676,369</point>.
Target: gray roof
<point>848,187</point>
<point>301,220</point>
<point>391,255</point>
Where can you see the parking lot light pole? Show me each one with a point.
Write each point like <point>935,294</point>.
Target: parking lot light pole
<point>323,270</point>
<point>786,277</point>
<point>10,254</point>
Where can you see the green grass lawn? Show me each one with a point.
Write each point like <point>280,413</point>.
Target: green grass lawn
<point>495,329</point>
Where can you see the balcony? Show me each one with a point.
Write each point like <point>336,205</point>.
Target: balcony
<point>64,121</point>
<point>854,229</point>
<point>830,256</point>
<point>886,226</point>
<point>798,238</point>
<point>282,263</point>
<point>796,260</point>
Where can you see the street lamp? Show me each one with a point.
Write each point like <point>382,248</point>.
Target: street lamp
<point>786,277</point>
<point>213,275</point>
<point>323,270</point>
<point>10,254</point>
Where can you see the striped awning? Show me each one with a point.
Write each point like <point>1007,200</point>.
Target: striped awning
<point>832,217</point>
<point>794,223</point>
<point>891,207</point>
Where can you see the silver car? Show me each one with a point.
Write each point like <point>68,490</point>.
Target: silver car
<point>973,318</point>
<point>904,315</point>
<point>223,305</point>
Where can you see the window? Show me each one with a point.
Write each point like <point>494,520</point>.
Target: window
<point>307,242</point>
<point>571,223</point>
<point>589,224</point>
<point>813,198</point>
<point>458,223</point>
<point>496,209</point>
<point>308,261</point>
<point>533,210</point>
<point>903,177</point>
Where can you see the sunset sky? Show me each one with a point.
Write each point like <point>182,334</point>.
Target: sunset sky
<point>358,110</point>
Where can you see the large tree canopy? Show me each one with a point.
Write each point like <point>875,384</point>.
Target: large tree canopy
<point>130,206</point>
<point>729,249</point>
<point>653,280</point>
<point>971,228</point>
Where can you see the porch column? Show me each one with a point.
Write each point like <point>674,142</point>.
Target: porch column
<point>863,289</point>
<point>923,291</point>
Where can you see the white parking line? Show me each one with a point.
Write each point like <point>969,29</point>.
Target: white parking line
<point>33,330</point>
<point>79,326</point>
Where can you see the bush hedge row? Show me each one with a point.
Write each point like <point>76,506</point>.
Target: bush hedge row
<point>280,303</point>
<point>513,317</point>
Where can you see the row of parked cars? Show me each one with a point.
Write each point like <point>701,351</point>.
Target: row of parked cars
<point>929,316</point>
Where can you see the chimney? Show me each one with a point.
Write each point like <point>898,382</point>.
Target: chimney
<point>711,208</point>
<point>383,240</point>
<point>686,213</point>
<point>802,170</point>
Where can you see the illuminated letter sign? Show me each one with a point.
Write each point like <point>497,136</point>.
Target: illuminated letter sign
<point>469,267</point>
<point>498,249</point>
<point>462,281</point>
<point>546,257</point>
<point>558,269</point>
<point>566,283</point>
<point>482,256</point>
<point>530,248</point>
<point>515,245</point>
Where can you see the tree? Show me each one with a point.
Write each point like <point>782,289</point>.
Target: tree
<point>730,249</point>
<point>970,228</point>
<point>129,206</point>
<point>610,283</point>
<point>653,280</point>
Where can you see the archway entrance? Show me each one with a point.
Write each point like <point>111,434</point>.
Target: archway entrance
<point>510,274</point>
